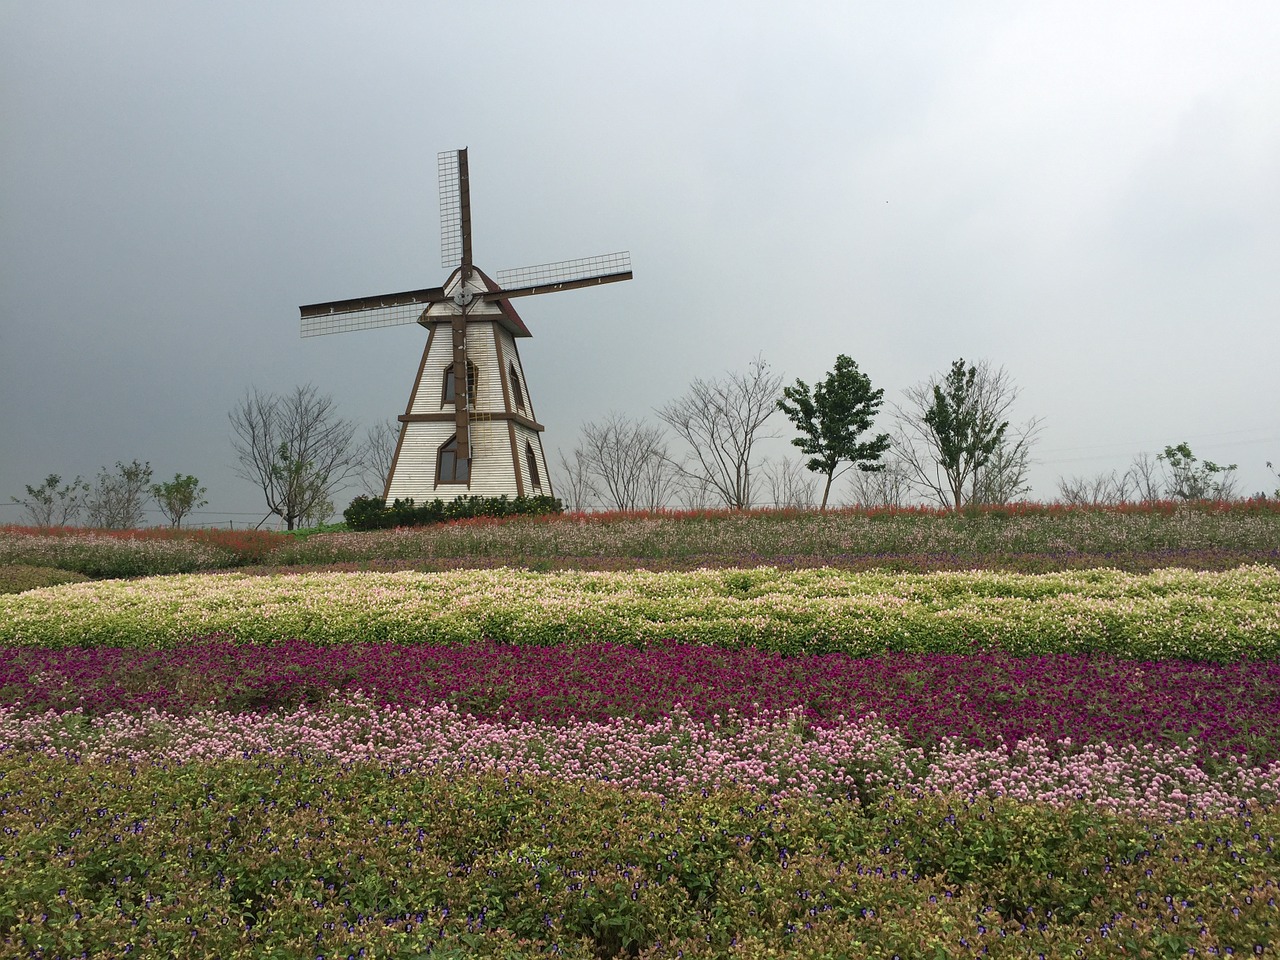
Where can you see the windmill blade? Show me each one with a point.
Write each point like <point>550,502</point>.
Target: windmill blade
<point>564,275</point>
<point>363,313</point>
<point>455,208</point>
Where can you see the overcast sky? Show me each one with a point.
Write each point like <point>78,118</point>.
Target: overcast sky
<point>1087,194</point>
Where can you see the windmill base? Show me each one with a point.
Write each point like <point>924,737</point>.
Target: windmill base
<point>498,465</point>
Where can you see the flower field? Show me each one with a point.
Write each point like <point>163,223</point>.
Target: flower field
<point>132,553</point>
<point>1037,538</point>
<point>1169,613</point>
<point>777,759</point>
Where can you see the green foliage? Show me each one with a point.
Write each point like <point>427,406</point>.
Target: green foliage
<point>301,533</point>
<point>17,577</point>
<point>1189,481</point>
<point>291,859</point>
<point>840,410</point>
<point>966,434</point>
<point>372,513</point>
<point>53,504</point>
<point>178,497</point>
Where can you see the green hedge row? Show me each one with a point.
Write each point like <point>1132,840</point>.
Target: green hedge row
<point>373,513</point>
<point>1223,616</point>
<point>289,859</point>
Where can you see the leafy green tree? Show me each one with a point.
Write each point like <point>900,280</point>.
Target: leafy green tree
<point>53,504</point>
<point>178,497</point>
<point>955,440</point>
<point>831,420</point>
<point>1192,479</point>
<point>967,436</point>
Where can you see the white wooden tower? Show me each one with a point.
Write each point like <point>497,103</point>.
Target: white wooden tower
<point>469,428</point>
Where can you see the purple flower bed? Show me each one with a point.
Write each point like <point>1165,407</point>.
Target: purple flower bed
<point>984,700</point>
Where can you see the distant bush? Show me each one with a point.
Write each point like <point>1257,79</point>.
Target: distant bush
<point>372,513</point>
<point>134,553</point>
<point>16,577</point>
<point>301,533</point>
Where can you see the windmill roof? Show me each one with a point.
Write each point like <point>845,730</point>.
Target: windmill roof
<point>499,311</point>
<point>511,319</point>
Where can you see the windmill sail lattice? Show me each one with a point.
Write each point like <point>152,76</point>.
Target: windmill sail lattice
<point>450,208</point>
<point>469,427</point>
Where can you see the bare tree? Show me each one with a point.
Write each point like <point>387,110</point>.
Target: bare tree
<point>789,484</point>
<point>627,462</point>
<point>574,483</point>
<point>1146,478</point>
<point>890,487</point>
<point>379,450</point>
<point>1004,477</point>
<point>693,492</point>
<point>953,436</point>
<point>1102,490</point>
<point>721,421</point>
<point>116,500</point>
<point>54,504</point>
<point>296,449</point>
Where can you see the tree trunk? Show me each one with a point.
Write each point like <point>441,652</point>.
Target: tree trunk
<point>825,490</point>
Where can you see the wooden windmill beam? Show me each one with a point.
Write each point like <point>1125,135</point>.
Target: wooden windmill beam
<point>533,291</point>
<point>461,399</point>
<point>464,198</point>
<point>425,297</point>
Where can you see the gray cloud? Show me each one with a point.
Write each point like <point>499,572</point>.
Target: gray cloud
<point>1088,195</point>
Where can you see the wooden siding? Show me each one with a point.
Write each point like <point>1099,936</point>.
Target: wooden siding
<point>511,354</point>
<point>493,471</point>
<point>525,435</point>
<point>483,353</point>
<point>480,351</point>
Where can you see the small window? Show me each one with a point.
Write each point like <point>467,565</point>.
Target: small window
<point>453,468</point>
<point>517,395</point>
<point>533,465</point>
<point>449,387</point>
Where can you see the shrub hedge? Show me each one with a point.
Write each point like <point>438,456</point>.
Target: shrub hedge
<point>373,513</point>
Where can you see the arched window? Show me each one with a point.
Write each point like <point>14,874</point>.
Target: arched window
<point>449,388</point>
<point>533,465</point>
<point>451,467</point>
<point>517,395</point>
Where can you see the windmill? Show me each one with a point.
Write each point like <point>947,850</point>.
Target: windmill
<point>469,427</point>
